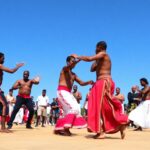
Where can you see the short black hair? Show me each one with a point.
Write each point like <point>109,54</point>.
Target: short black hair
<point>44,90</point>
<point>118,88</point>
<point>103,44</point>
<point>1,54</point>
<point>26,71</point>
<point>144,80</point>
<point>69,58</point>
<point>10,90</point>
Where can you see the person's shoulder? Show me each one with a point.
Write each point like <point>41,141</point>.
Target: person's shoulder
<point>65,69</point>
<point>39,96</point>
<point>47,97</point>
<point>52,103</point>
<point>20,80</point>
<point>73,73</point>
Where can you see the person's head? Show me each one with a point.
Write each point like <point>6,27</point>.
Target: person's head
<point>54,99</point>
<point>10,92</point>
<point>133,89</point>
<point>44,92</point>
<point>117,90</point>
<point>70,60</point>
<point>2,58</point>
<point>75,87</point>
<point>26,75</point>
<point>143,81</point>
<point>101,46</point>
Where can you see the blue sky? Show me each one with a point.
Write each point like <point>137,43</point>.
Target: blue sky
<point>42,33</point>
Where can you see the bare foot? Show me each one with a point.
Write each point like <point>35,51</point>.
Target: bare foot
<point>64,132</point>
<point>122,131</point>
<point>67,132</point>
<point>138,129</point>
<point>60,132</point>
<point>99,136</point>
<point>5,131</point>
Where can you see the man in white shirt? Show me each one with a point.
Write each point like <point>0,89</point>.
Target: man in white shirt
<point>11,101</point>
<point>42,101</point>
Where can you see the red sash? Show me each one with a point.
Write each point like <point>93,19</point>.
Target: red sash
<point>61,87</point>
<point>24,96</point>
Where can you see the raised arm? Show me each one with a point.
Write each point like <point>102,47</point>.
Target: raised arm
<point>36,80</point>
<point>11,70</point>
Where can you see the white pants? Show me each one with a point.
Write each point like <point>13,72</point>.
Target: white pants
<point>68,102</point>
<point>19,116</point>
<point>141,114</point>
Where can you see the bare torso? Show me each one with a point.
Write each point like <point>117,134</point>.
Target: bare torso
<point>103,67</point>
<point>146,96</point>
<point>25,87</point>
<point>66,78</point>
<point>77,95</point>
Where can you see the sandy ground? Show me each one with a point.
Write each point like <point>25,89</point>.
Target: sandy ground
<point>44,139</point>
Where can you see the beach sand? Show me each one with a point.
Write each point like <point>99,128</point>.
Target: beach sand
<point>43,139</point>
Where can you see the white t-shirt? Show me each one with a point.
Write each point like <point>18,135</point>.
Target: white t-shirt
<point>42,101</point>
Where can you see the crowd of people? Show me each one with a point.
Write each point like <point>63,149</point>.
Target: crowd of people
<point>104,111</point>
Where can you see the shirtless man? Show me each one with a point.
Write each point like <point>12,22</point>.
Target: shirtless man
<point>67,101</point>
<point>100,113</point>
<point>3,101</point>
<point>141,114</point>
<point>24,85</point>
<point>77,94</point>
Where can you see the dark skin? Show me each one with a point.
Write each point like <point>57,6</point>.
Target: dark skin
<point>8,70</point>
<point>67,79</point>
<point>102,67</point>
<point>102,62</point>
<point>77,94</point>
<point>25,85</point>
<point>145,95</point>
<point>145,91</point>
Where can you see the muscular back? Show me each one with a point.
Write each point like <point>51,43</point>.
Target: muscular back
<point>103,66</point>
<point>66,78</point>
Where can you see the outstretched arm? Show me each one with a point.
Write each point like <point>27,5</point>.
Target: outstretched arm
<point>11,70</point>
<point>82,82</point>
<point>90,58</point>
